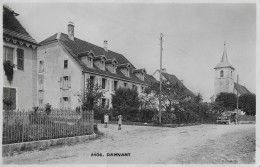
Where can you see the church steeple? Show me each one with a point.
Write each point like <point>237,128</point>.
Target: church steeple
<point>224,60</point>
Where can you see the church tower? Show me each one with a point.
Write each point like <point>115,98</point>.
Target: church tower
<point>224,75</point>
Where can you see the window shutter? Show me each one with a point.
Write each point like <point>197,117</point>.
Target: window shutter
<point>99,81</point>
<point>6,94</point>
<point>112,85</point>
<point>61,82</point>
<point>13,97</point>
<point>20,59</point>
<point>69,81</point>
<point>69,102</point>
<point>107,101</point>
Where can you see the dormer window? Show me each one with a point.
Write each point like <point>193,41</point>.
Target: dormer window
<point>87,58</point>
<point>110,64</point>
<point>100,62</point>
<point>90,62</point>
<point>139,73</point>
<point>103,65</point>
<point>125,69</point>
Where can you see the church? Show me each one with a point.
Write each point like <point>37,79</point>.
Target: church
<point>224,78</point>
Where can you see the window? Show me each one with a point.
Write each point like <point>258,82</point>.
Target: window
<point>125,84</point>
<point>41,82</point>
<point>104,81</point>
<point>221,73</point>
<point>40,98</point>
<point>134,87</point>
<point>103,65</point>
<point>20,59</point>
<point>65,82</point>
<point>9,98</point>
<point>231,75</point>
<point>103,103</point>
<point>40,103</point>
<point>66,102</point>
<point>142,88</point>
<point>65,64</point>
<point>127,72</point>
<point>115,85</point>
<point>41,66</point>
<point>91,79</point>
<point>114,68</point>
<point>8,54</point>
<point>90,62</point>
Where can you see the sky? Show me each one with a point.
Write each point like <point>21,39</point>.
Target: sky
<point>194,35</point>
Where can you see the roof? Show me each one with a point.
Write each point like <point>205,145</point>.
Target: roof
<point>241,89</point>
<point>224,60</point>
<point>139,70</point>
<point>12,27</point>
<point>173,80</point>
<point>78,46</point>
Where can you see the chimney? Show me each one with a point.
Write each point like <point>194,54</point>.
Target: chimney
<point>164,70</point>
<point>71,30</point>
<point>105,46</point>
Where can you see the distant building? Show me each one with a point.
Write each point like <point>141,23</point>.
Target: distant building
<point>19,48</point>
<point>66,63</point>
<point>224,78</point>
<point>172,79</point>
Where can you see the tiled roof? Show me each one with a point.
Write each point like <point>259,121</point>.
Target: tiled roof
<point>241,89</point>
<point>173,80</point>
<point>224,61</point>
<point>78,46</point>
<point>13,28</point>
<point>150,78</point>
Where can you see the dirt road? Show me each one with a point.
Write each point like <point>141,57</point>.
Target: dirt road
<point>218,144</point>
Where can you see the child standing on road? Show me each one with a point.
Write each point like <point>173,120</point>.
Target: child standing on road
<point>106,118</point>
<point>120,117</point>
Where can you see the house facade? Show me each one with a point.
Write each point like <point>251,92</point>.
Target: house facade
<point>224,78</point>
<point>66,63</point>
<point>19,56</point>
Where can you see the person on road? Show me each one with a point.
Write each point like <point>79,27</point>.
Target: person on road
<point>106,118</point>
<point>120,117</point>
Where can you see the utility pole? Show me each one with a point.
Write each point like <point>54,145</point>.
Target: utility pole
<point>237,95</point>
<point>160,98</point>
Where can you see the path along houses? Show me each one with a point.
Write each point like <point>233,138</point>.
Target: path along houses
<point>19,49</point>
<point>65,63</point>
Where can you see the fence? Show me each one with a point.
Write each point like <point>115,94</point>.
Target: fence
<point>21,126</point>
<point>246,118</point>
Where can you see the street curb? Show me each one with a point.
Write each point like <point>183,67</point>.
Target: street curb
<point>11,149</point>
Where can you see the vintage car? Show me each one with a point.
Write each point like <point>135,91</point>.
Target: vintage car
<point>227,117</point>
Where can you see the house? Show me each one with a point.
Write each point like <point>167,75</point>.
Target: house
<point>224,78</point>
<point>172,79</point>
<point>67,62</point>
<point>20,64</point>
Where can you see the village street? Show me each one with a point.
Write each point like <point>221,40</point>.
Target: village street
<point>212,143</point>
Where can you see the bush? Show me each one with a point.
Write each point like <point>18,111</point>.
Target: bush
<point>247,103</point>
<point>126,102</point>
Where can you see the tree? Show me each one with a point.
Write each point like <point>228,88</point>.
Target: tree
<point>172,95</point>
<point>172,98</point>
<point>247,103</point>
<point>126,102</point>
<point>227,100</point>
<point>92,94</point>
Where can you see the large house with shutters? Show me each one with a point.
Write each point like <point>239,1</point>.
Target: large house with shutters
<point>66,63</point>
<point>172,80</point>
<point>19,56</point>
